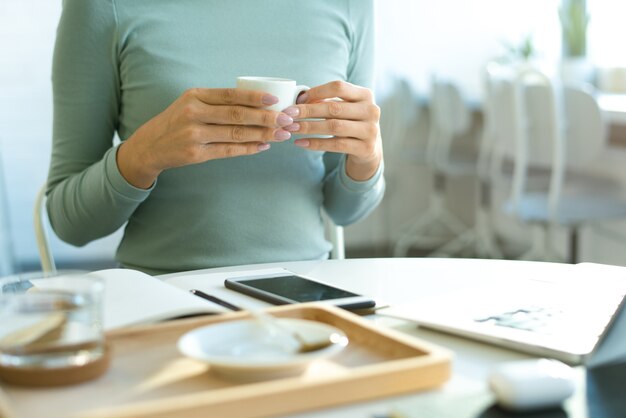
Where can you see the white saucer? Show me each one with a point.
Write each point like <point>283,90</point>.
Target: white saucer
<point>247,350</point>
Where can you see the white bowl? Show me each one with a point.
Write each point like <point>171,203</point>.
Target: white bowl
<point>247,350</point>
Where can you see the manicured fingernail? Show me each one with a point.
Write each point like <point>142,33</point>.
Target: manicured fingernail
<point>292,128</point>
<point>282,135</point>
<point>302,98</point>
<point>304,143</point>
<point>292,111</point>
<point>268,99</point>
<point>263,147</point>
<point>284,120</point>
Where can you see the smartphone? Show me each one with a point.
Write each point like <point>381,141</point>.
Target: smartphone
<point>283,289</point>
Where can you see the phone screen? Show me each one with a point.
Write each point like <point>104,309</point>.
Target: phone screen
<point>298,288</point>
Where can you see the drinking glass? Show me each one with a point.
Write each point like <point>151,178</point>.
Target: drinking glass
<point>50,321</point>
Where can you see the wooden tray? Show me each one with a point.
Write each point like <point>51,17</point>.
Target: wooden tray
<point>148,377</point>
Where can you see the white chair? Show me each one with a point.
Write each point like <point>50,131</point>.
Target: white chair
<point>401,112</point>
<point>336,237</point>
<point>40,220</point>
<point>502,127</point>
<point>48,265</point>
<point>569,123</point>
<point>450,119</point>
<point>482,236</point>
<point>405,149</point>
<point>7,257</point>
<point>506,130</point>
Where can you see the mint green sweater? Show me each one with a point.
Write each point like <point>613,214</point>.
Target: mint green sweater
<point>118,63</point>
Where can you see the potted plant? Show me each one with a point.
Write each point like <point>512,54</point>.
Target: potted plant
<point>522,52</point>
<point>575,67</point>
<point>574,22</point>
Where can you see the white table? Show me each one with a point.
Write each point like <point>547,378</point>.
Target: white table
<point>409,280</point>
<point>613,106</point>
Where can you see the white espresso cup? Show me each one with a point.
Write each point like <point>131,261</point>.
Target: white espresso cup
<point>285,89</point>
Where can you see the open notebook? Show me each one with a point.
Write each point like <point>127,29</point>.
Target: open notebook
<point>132,297</point>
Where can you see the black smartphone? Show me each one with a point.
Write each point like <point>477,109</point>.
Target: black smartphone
<point>283,289</point>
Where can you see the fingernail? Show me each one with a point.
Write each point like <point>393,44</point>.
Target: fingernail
<point>282,135</point>
<point>304,143</point>
<point>269,99</point>
<point>263,147</point>
<point>292,111</point>
<point>292,128</point>
<point>284,120</point>
<point>302,98</point>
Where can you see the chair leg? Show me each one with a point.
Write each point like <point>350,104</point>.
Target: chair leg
<point>41,236</point>
<point>537,250</point>
<point>420,233</point>
<point>551,253</point>
<point>486,245</point>
<point>481,236</point>
<point>573,245</point>
<point>414,235</point>
<point>542,246</point>
<point>458,244</point>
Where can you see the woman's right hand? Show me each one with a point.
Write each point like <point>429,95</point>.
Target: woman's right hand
<point>201,125</point>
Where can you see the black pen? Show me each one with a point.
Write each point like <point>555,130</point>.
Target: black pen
<point>216,300</point>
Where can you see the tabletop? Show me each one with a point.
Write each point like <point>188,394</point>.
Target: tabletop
<point>408,280</point>
<point>412,281</point>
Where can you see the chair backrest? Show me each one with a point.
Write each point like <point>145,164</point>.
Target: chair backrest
<point>584,125</point>
<point>537,139</point>
<point>449,117</point>
<point>398,109</point>
<point>581,136</point>
<point>502,103</point>
<point>41,236</point>
<point>556,126</point>
<point>489,135</point>
<point>501,115</point>
<point>48,265</point>
<point>7,257</point>
<point>335,234</point>
<point>499,119</point>
<point>524,113</point>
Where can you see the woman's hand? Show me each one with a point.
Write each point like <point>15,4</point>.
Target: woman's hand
<point>201,125</point>
<point>353,122</point>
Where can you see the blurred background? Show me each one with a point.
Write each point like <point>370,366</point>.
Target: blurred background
<point>478,164</point>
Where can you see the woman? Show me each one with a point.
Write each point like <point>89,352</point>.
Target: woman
<point>204,175</point>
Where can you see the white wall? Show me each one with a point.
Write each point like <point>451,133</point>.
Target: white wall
<point>456,38</point>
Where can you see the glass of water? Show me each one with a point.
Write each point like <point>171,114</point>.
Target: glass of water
<point>50,321</point>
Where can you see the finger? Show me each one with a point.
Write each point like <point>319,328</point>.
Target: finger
<point>232,96</point>
<point>218,150</point>
<point>341,89</point>
<point>334,110</point>
<point>338,144</point>
<point>335,127</point>
<point>240,115</point>
<point>237,133</point>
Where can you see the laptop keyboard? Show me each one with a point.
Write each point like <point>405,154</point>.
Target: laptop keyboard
<point>536,318</point>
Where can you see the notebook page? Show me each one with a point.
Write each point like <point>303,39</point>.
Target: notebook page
<point>132,297</point>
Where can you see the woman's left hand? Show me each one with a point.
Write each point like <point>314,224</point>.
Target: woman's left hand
<point>352,121</point>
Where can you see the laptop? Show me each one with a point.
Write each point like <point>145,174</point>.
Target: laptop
<point>563,317</point>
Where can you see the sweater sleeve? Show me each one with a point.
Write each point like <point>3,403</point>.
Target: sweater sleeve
<point>345,200</point>
<point>87,197</point>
